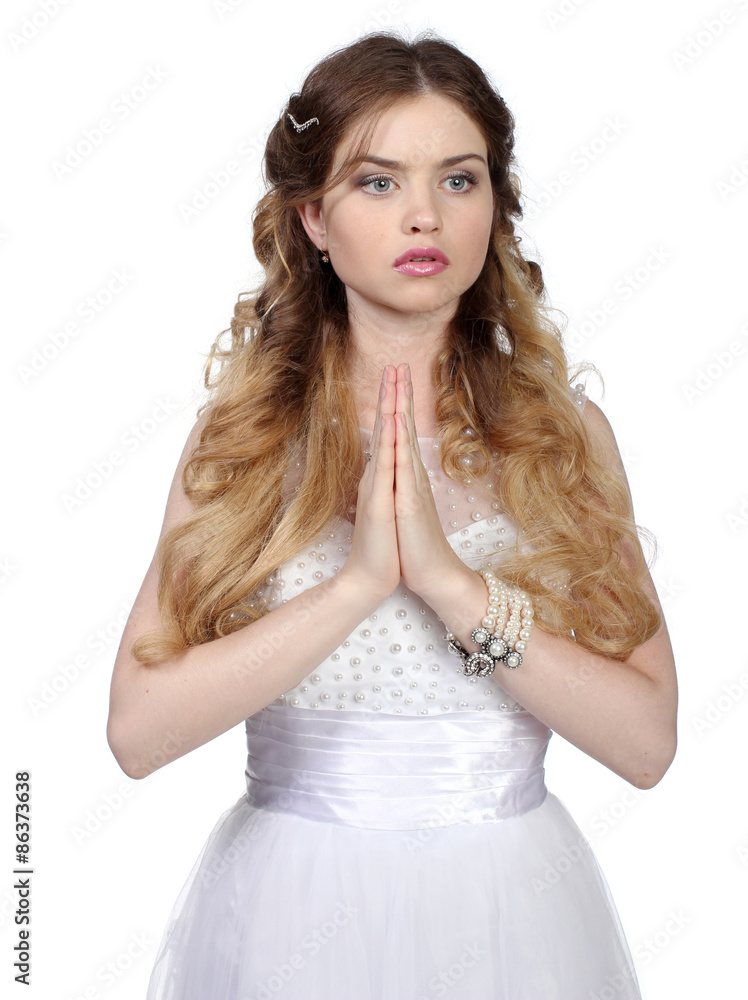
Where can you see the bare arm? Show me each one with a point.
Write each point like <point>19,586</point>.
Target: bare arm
<point>160,712</point>
<point>621,713</point>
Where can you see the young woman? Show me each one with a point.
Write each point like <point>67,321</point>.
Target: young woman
<point>391,459</point>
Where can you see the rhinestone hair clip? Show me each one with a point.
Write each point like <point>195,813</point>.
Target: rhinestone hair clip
<point>300,128</point>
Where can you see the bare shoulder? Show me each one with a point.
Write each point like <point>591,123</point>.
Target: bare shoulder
<point>603,435</point>
<point>604,441</point>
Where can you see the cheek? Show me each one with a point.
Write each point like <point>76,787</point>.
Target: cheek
<point>349,227</point>
<point>358,244</point>
<point>476,241</point>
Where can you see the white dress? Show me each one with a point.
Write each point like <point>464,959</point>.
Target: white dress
<point>396,840</point>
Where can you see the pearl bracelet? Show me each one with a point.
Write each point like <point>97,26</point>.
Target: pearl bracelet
<point>506,647</point>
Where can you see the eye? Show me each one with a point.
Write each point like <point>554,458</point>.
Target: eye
<point>375,180</point>
<point>470,181</point>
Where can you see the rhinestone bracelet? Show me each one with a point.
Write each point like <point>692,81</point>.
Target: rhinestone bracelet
<point>506,647</point>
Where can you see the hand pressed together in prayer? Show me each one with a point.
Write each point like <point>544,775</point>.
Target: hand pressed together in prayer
<point>398,532</point>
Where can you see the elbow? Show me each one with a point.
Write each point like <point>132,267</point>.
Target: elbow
<point>654,767</point>
<point>140,752</point>
<point>122,753</point>
<point>646,779</point>
<point>656,744</point>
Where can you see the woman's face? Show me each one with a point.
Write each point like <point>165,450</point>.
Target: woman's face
<point>383,210</point>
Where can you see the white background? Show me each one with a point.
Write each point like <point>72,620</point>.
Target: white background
<point>669,75</point>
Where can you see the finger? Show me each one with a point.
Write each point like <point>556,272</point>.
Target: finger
<point>390,396</point>
<point>383,463</point>
<point>405,472</point>
<point>374,440</point>
<point>401,402</point>
<point>411,417</point>
<point>403,405</point>
<point>409,479</point>
<point>385,405</point>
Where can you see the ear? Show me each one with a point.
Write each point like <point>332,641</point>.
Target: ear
<point>313,220</point>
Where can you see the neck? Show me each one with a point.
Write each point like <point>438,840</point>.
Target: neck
<point>380,345</point>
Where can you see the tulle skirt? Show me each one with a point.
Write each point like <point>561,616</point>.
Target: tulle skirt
<point>297,895</point>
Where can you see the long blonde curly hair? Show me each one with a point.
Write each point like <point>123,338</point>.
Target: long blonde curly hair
<point>285,375</point>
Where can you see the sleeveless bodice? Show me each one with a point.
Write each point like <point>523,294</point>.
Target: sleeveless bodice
<point>397,661</point>
<point>388,730</point>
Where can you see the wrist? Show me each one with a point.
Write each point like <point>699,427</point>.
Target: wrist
<point>360,591</point>
<point>503,633</point>
<point>460,601</point>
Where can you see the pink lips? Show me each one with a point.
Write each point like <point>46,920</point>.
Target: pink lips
<point>406,265</point>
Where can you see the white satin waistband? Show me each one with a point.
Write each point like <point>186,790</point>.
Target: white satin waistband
<point>393,772</point>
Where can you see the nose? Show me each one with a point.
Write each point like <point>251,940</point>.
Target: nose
<point>421,212</point>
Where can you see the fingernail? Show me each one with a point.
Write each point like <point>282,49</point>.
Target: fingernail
<point>383,391</point>
<point>408,389</point>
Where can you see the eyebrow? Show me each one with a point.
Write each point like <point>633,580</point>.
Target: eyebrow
<point>398,165</point>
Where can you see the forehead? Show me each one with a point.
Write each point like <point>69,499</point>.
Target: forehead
<point>415,130</point>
